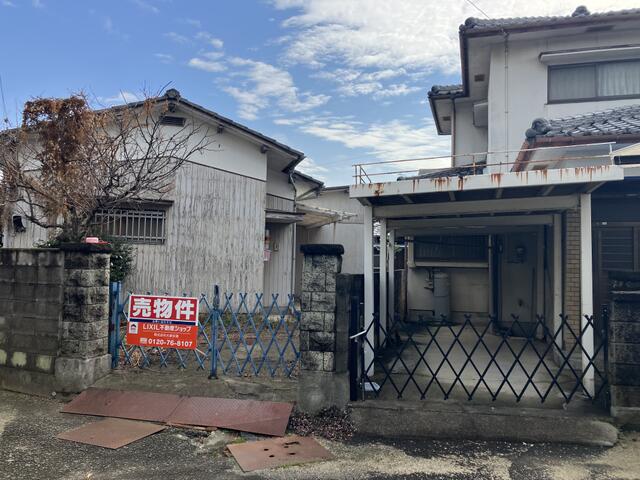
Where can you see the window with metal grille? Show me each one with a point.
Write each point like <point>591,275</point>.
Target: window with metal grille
<point>471,248</point>
<point>133,225</point>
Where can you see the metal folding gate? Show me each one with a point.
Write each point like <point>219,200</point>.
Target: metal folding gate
<point>475,358</point>
<point>237,335</point>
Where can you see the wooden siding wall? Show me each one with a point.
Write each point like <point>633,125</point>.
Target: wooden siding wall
<point>278,203</point>
<point>215,235</point>
<point>278,270</point>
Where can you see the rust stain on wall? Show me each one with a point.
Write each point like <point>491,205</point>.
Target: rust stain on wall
<point>496,178</point>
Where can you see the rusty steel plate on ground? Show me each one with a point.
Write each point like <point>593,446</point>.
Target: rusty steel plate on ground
<point>277,452</point>
<point>152,407</point>
<point>266,418</point>
<point>111,432</point>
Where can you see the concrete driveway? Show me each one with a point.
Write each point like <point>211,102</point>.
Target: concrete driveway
<point>29,450</point>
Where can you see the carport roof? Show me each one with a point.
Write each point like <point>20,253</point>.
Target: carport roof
<point>420,195</point>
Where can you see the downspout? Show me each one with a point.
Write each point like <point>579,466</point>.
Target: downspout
<point>294,239</point>
<point>453,132</point>
<point>506,98</point>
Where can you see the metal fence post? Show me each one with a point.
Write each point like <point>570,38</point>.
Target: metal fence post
<point>214,332</point>
<point>114,322</point>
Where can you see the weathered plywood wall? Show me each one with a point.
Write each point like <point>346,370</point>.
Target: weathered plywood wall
<point>279,268</point>
<point>215,235</point>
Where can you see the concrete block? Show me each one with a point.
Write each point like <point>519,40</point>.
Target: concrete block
<point>624,374</point>
<point>50,258</point>
<point>18,359</point>
<point>26,258</point>
<point>313,280</point>
<point>321,341</point>
<point>625,353</point>
<point>304,341</point>
<point>85,313</point>
<point>26,274</point>
<point>77,374</point>
<point>313,361</point>
<point>3,357</point>
<point>7,258</point>
<point>7,290</point>
<point>44,363</point>
<point>83,348</point>
<point>85,330</point>
<point>328,362</point>
<point>323,302</point>
<point>329,322</point>
<point>312,321</point>
<point>330,283</point>
<point>50,275</point>
<point>305,301</point>
<point>318,390</point>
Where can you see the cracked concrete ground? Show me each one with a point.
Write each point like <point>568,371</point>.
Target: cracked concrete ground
<point>29,450</point>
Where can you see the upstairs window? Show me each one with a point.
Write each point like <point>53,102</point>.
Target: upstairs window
<point>594,81</point>
<point>133,225</point>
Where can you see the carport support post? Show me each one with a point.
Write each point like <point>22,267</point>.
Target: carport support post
<point>586,291</point>
<point>368,289</point>
<point>392,278</point>
<point>557,279</point>
<point>383,280</point>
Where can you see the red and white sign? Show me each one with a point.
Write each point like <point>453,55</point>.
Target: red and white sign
<point>166,322</point>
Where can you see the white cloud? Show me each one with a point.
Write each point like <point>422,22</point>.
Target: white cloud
<point>206,65</point>
<point>193,22</point>
<point>146,6</point>
<point>37,3</point>
<point>119,98</point>
<point>177,38</point>
<point>111,29</point>
<point>213,41</point>
<point>264,84</point>
<point>164,57</point>
<point>311,167</point>
<point>391,140</point>
<point>411,34</point>
<point>8,3</point>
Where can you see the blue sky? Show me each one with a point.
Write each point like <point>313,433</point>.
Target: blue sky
<point>341,80</point>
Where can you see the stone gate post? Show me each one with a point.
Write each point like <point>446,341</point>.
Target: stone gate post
<point>324,380</point>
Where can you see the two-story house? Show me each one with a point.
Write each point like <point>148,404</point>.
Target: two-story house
<point>541,200</point>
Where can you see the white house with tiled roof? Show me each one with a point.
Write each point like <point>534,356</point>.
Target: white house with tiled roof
<point>541,204</point>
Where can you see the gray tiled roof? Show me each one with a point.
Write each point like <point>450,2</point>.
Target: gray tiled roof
<point>615,121</point>
<point>580,15</point>
<point>445,90</point>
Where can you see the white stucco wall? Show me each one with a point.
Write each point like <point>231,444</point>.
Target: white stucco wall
<point>518,94</point>
<point>467,137</point>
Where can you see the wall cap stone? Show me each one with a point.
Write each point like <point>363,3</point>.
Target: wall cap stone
<point>322,249</point>
<point>86,247</point>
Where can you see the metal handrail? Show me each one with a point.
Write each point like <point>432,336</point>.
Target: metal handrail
<point>361,176</point>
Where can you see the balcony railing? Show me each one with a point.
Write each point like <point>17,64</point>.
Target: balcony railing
<point>476,163</point>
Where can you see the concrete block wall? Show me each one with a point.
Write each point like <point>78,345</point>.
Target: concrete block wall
<point>624,346</point>
<point>54,318</point>
<point>31,299</point>
<point>322,383</point>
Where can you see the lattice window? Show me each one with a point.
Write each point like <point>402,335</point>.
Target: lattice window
<point>134,225</point>
<point>471,248</point>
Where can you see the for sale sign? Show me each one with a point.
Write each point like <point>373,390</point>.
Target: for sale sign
<point>161,321</point>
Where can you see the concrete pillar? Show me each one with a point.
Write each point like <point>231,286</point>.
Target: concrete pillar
<point>323,380</point>
<point>392,277</point>
<point>557,278</point>
<point>368,286</point>
<point>84,336</point>
<point>382,297</point>
<point>586,289</point>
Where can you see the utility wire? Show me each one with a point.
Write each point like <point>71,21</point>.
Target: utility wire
<point>470,2</point>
